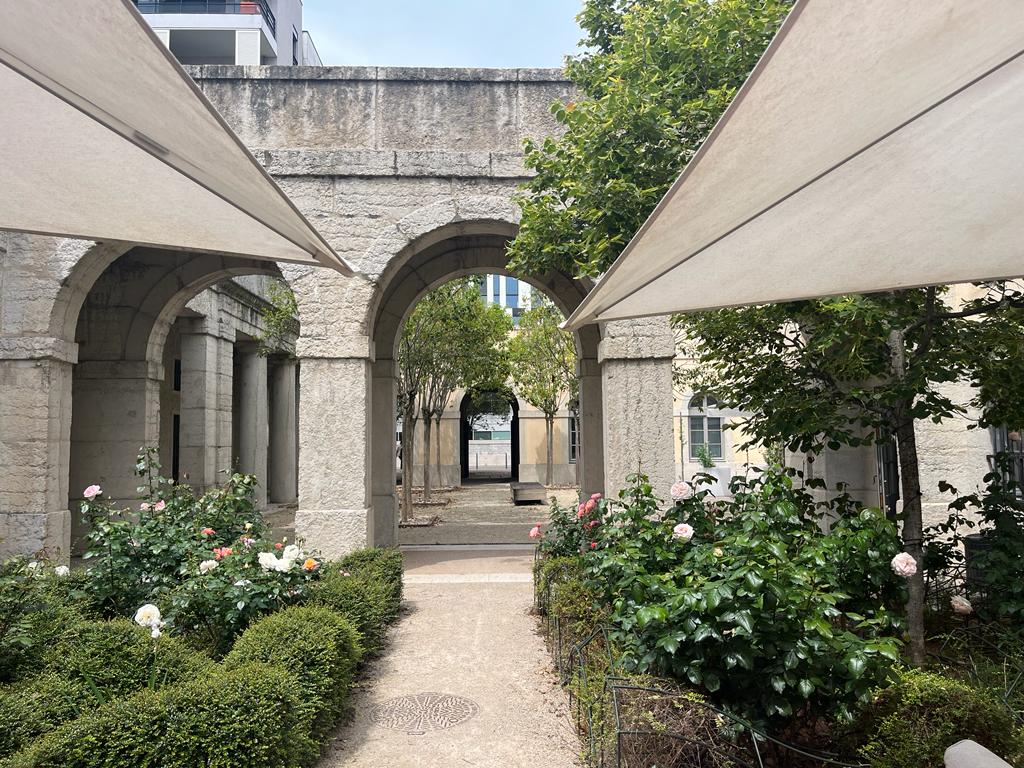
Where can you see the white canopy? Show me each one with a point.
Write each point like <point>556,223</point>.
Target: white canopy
<point>877,145</point>
<point>103,136</point>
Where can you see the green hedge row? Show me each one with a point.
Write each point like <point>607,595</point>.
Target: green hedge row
<point>108,696</point>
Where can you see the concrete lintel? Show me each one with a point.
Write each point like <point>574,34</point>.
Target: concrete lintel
<point>120,369</point>
<point>38,348</point>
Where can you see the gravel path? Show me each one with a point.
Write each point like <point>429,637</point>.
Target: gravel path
<point>467,638</point>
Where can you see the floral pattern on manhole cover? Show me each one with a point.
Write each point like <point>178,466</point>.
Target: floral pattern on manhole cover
<point>421,712</point>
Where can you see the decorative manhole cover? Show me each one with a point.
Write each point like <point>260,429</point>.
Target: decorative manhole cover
<point>421,712</point>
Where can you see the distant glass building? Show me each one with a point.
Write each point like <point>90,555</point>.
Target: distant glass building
<point>508,292</point>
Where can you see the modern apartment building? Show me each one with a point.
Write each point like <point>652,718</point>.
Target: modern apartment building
<point>508,292</point>
<point>251,32</point>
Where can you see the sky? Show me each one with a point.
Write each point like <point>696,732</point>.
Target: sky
<point>443,33</point>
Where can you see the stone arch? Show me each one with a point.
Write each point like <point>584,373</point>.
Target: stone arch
<point>120,377</point>
<point>440,243</point>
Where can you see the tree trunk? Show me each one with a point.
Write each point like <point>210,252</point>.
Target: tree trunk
<point>549,428</point>
<point>910,485</point>
<point>408,445</point>
<point>437,442</point>
<point>428,424</point>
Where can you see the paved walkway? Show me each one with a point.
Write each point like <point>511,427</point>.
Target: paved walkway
<point>480,683</point>
<point>483,513</point>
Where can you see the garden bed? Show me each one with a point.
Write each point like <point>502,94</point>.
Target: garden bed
<point>190,639</point>
<point>755,669</point>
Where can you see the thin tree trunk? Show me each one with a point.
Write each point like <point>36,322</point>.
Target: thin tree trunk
<point>437,442</point>
<point>549,428</point>
<point>910,485</point>
<point>428,423</point>
<point>408,445</point>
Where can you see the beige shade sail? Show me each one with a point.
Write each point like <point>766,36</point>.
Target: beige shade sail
<point>104,136</point>
<point>877,145</point>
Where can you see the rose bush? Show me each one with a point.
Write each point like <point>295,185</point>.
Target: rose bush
<point>749,599</point>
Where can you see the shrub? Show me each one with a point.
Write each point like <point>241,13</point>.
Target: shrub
<point>750,599</point>
<point>551,571</point>
<point>910,724</point>
<point>571,530</point>
<point>117,658</point>
<point>248,717</point>
<point>318,646</point>
<point>383,563</point>
<point>37,706</point>
<point>365,588</point>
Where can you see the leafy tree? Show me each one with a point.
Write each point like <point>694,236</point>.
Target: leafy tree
<point>280,319</point>
<point>452,339</point>
<point>543,359</point>
<point>656,77</point>
<point>855,370</point>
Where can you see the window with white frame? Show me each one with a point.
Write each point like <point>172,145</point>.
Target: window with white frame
<point>705,427</point>
<point>574,439</point>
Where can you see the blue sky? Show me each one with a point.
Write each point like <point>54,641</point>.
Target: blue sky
<point>443,33</point>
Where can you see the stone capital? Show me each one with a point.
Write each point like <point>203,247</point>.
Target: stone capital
<point>38,348</point>
<point>645,338</point>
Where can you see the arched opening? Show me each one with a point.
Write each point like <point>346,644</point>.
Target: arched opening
<point>436,257</point>
<point>489,436</point>
<point>174,355</point>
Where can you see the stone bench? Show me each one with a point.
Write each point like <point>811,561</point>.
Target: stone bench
<point>528,493</point>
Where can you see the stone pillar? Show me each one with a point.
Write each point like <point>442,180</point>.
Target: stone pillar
<point>35,430</point>
<point>252,418</point>
<point>636,368</point>
<point>334,447</point>
<point>590,463</point>
<point>383,522</point>
<point>207,371</point>
<point>284,446</point>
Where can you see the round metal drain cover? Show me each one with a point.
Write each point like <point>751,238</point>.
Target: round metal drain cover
<point>421,712</point>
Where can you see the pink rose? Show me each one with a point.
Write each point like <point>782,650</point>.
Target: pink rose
<point>904,565</point>
<point>595,497</point>
<point>961,605</point>
<point>535,532</point>
<point>593,545</point>
<point>681,491</point>
<point>160,505</point>
<point>208,531</point>
<point>589,505</point>
<point>683,531</point>
<point>92,492</point>
<point>581,513</point>
<point>145,506</point>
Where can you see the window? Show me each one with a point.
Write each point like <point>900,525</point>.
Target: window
<point>511,292</point>
<point>574,439</point>
<point>295,47</point>
<point>705,429</point>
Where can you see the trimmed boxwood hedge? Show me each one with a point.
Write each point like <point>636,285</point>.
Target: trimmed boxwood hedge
<point>34,707</point>
<point>366,588</point>
<point>317,646</point>
<point>247,717</point>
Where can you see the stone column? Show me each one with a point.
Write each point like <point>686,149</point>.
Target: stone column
<point>636,368</point>
<point>252,418</point>
<point>334,447</point>
<point>284,445</point>
<point>207,371</point>
<point>35,430</point>
<point>383,522</point>
<point>590,463</point>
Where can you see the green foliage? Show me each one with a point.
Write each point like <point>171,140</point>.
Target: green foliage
<point>386,565</point>
<point>550,571</point>
<point>571,530</point>
<point>280,319</point>
<point>656,76</point>
<point>760,608</point>
<point>37,706</point>
<point>543,360</point>
<point>35,606</point>
<point>157,555</point>
<point>318,646</point>
<point>911,723</point>
<point>117,658</point>
<point>247,717</point>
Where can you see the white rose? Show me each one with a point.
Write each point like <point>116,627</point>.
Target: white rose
<point>34,565</point>
<point>148,616</point>
<point>61,571</point>
<point>291,552</point>
<point>284,565</point>
<point>268,561</point>
<point>155,632</point>
<point>207,565</point>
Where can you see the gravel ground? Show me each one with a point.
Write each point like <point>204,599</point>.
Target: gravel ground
<point>466,632</point>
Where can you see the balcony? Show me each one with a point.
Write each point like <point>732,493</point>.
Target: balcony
<point>251,7</point>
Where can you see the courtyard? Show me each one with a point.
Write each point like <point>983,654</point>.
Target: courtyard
<point>727,290</point>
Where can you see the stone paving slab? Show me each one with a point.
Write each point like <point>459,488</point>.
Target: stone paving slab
<point>466,633</point>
